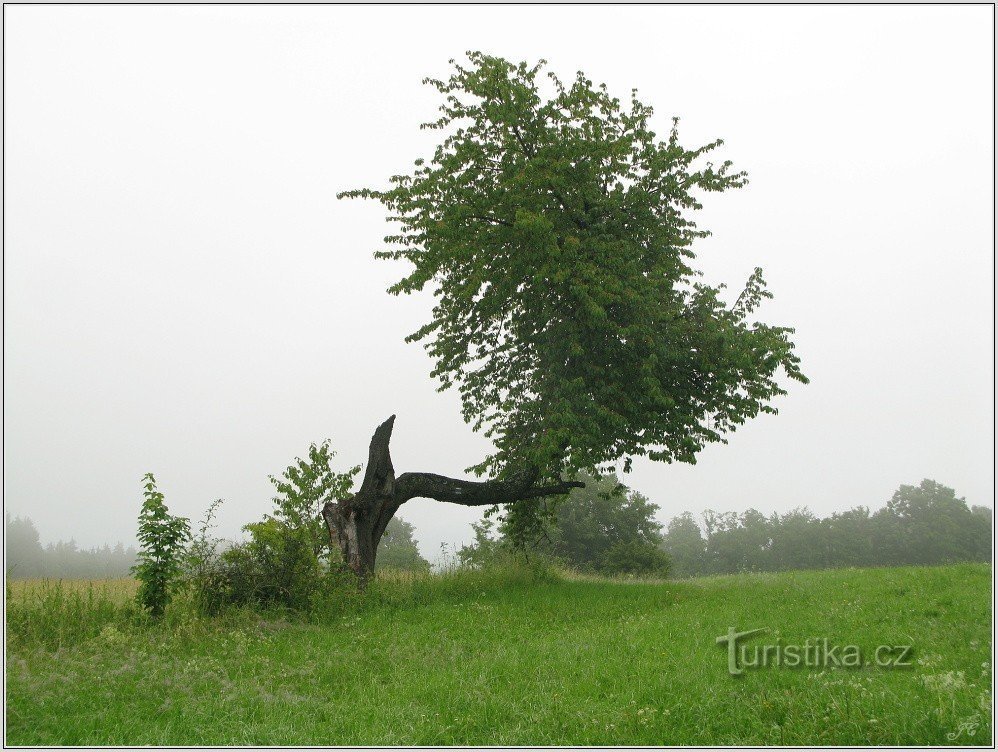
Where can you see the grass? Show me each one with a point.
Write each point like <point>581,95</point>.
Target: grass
<point>510,657</point>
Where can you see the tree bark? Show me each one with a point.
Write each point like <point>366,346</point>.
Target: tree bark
<point>357,523</point>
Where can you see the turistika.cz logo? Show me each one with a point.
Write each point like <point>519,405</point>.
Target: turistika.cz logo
<point>816,652</point>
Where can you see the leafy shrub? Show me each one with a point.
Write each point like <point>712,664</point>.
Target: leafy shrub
<point>162,537</point>
<point>302,490</point>
<point>635,558</point>
<point>288,561</point>
<point>487,548</point>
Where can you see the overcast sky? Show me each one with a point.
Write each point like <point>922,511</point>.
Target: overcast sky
<point>183,293</point>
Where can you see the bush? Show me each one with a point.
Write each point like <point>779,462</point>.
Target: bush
<point>287,561</point>
<point>162,537</point>
<point>486,549</point>
<point>275,568</point>
<point>635,558</point>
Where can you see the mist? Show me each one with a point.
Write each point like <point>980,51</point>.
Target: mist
<point>184,295</point>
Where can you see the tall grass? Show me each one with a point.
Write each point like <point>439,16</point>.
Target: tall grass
<point>57,614</point>
<point>53,614</point>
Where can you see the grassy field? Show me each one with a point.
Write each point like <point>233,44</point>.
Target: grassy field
<point>510,657</point>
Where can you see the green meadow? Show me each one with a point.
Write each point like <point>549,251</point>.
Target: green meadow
<point>509,656</point>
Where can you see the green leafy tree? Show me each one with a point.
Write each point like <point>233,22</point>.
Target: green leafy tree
<point>302,491</point>
<point>555,230</point>
<point>162,537</point>
<point>23,549</point>
<point>604,527</point>
<point>607,528</point>
<point>928,524</point>
<point>487,547</point>
<point>684,543</point>
<point>635,558</point>
<point>925,524</point>
<point>398,549</point>
<point>851,538</point>
<point>798,540</point>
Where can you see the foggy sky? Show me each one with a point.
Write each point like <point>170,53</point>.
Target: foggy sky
<point>183,293</point>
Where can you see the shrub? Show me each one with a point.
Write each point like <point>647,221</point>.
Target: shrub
<point>287,561</point>
<point>486,549</point>
<point>203,576</point>
<point>162,537</point>
<point>635,558</point>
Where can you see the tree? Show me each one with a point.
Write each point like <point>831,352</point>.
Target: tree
<point>929,524</point>
<point>603,527</point>
<point>684,543</point>
<point>398,548</point>
<point>162,537</point>
<point>555,230</point>
<point>607,528</point>
<point>24,550</point>
<point>487,546</point>
<point>799,540</point>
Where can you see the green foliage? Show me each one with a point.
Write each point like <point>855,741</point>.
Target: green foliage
<point>287,562</point>
<point>555,229</point>
<point>927,524</point>
<point>635,558</point>
<point>203,577</point>
<point>302,490</point>
<point>398,549</point>
<point>607,528</point>
<point>686,546</point>
<point>162,537</point>
<point>276,567</point>
<point>603,528</point>
<point>486,548</point>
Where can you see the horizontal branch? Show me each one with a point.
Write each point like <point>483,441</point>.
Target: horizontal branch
<point>476,494</point>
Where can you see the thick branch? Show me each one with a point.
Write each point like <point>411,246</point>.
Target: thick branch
<point>357,522</point>
<point>475,494</point>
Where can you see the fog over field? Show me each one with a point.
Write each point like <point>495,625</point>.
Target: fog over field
<point>184,294</point>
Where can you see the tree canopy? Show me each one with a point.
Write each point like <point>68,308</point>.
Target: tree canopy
<point>555,229</point>
<point>926,524</point>
<point>604,527</point>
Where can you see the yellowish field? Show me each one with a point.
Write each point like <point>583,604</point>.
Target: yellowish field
<point>34,591</point>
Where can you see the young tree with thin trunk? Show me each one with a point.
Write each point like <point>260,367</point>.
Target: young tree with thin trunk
<point>554,228</point>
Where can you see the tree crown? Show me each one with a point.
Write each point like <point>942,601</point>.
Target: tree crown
<point>554,228</point>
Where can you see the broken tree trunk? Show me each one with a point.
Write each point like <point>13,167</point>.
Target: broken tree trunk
<point>357,523</point>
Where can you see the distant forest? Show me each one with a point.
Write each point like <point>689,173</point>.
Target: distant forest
<point>26,557</point>
<point>921,525</point>
<point>924,524</point>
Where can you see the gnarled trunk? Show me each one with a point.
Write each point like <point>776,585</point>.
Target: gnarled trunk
<point>357,523</point>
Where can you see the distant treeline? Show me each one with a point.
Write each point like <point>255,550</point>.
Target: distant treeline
<point>617,533</point>
<point>926,524</point>
<point>26,557</point>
